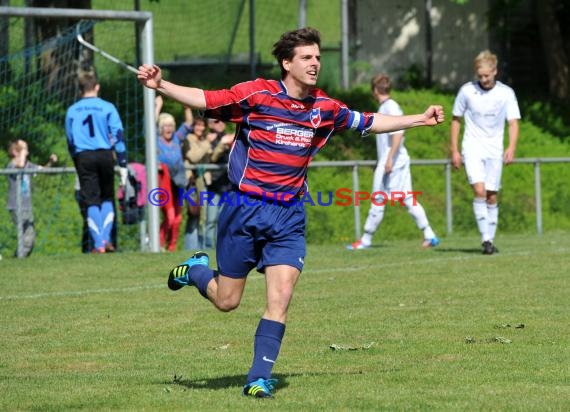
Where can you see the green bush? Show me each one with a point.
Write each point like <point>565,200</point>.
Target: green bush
<point>335,224</point>
<point>59,222</point>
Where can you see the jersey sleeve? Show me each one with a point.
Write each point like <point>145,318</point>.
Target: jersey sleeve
<point>513,111</point>
<point>460,104</point>
<point>351,119</point>
<point>231,105</point>
<point>116,130</point>
<point>69,133</point>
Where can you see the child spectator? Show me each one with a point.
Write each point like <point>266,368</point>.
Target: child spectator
<point>21,211</point>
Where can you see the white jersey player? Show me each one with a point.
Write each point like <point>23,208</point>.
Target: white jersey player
<point>392,173</point>
<point>485,104</point>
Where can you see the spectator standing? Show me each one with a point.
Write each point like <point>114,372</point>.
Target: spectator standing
<point>486,104</point>
<point>197,150</point>
<point>21,212</point>
<point>172,177</point>
<point>94,128</point>
<point>220,183</point>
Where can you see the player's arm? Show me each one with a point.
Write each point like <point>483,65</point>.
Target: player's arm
<point>383,123</point>
<point>69,134</point>
<point>116,129</point>
<point>396,142</point>
<point>513,139</point>
<point>454,141</point>
<point>151,77</point>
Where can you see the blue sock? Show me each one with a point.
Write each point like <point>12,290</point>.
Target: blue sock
<point>94,223</point>
<point>265,348</point>
<point>107,218</point>
<point>201,275</point>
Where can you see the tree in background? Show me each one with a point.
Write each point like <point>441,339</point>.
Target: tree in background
<point>549,13</point>
<point>552,19</point>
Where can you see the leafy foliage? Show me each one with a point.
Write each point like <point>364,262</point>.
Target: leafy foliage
<point>551,116</point>
<point>55,203</point>
<point>335,224</point>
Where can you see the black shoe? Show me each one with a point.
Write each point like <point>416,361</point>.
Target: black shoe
<point>489,248</point>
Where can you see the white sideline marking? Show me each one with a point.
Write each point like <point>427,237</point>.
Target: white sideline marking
<point>257,276</point>
<point>81,292</point>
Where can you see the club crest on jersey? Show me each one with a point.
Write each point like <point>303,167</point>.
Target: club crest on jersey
<point>316,117</point>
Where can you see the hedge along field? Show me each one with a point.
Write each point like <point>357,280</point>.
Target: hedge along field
<point>517,213</point>
<point>335,224</point>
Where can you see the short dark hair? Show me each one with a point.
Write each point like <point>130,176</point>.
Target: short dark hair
<point>284,49</point>
<point>87,81</point>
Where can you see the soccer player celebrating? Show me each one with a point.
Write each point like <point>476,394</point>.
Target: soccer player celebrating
<point>281,125</point>
<point>93,129</point>
<point>486,104</point>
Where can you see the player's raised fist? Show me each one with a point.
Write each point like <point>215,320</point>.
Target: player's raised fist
<point>434,115</point>
<point>149,75</point>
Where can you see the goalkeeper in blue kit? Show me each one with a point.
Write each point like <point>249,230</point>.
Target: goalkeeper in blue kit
<point>94,129</point>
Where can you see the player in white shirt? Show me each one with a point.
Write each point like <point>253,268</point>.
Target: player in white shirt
<point>392,173</point>
<point>485,104</point>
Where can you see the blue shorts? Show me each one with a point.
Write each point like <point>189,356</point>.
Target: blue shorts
<point>252,232</point>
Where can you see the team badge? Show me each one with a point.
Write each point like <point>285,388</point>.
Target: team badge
<point>316,117</point>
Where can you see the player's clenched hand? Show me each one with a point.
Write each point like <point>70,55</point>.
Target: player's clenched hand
<point>150,76</point>
<point>434,115</point>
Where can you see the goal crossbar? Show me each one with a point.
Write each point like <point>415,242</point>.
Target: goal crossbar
<point>50,12</point>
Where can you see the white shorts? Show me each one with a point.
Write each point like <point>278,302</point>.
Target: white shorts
<point>399,180</point>
<point>487,171</point>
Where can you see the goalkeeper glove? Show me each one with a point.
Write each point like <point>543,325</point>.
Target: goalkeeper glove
<point>123,173</point>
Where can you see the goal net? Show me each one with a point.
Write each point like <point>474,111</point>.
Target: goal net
<point>37,84</point>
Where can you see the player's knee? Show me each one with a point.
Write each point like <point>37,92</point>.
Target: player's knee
<point>411,201</point>
<point>227,304</point>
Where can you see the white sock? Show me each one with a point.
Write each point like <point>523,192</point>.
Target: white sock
<point>366,238</point>
<point>480,211</point>
<point>492,219</point>
<point>428,233</point>
<point>373,220</point>
<point>418,213</point>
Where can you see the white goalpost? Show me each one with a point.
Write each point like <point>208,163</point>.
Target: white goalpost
<point>145,25</point>
<point>106,55</point>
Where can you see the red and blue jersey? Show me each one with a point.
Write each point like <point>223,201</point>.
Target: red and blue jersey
<point>277,135</point>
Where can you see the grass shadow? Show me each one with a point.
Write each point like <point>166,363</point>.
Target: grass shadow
<point>460,250</point>
<point>222,382</point>
<point>225,382</point>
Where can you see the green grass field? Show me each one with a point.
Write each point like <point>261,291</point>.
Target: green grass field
<point>444,329</point>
